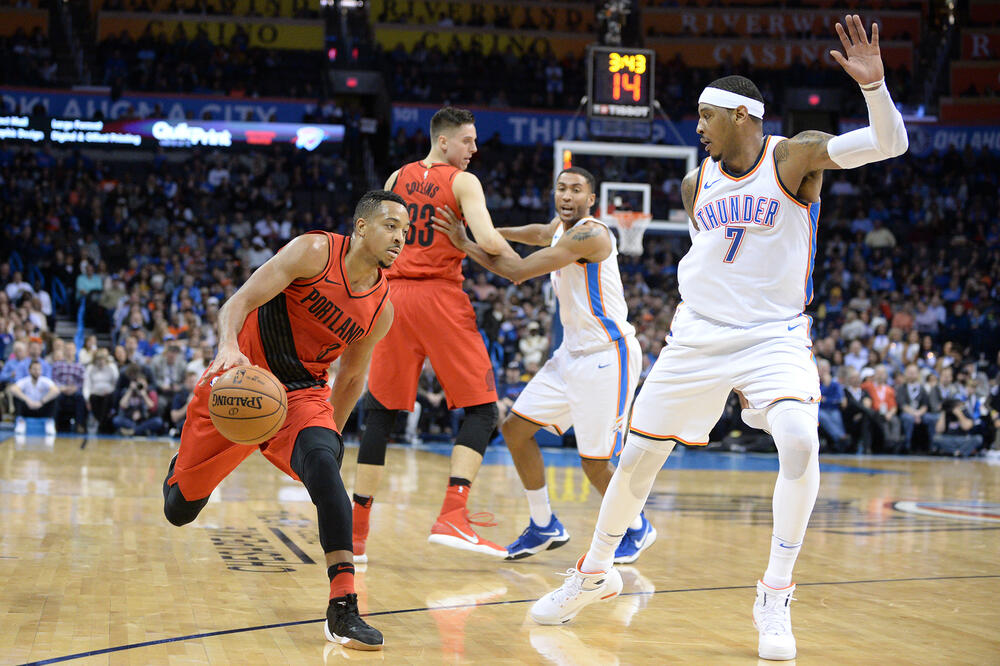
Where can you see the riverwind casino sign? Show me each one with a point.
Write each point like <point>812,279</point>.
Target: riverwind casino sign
<point>702,37</point>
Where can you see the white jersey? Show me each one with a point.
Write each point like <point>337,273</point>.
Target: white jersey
<point>751,258</point>
<point>591,299</point>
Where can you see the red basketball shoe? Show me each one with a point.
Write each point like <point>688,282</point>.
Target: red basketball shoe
<point>455,529</point>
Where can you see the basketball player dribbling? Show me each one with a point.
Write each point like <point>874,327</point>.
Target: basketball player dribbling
<point>745,282</point>
<point>591,378</point>
<point>322,297</point>
<point>434,320</point>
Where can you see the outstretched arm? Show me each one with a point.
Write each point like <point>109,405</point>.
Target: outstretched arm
<point>589,241</point>
<point>885,136</point>
<point>531,234</point>
<point>469,193</point>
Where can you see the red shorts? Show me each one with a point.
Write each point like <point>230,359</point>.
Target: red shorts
<point>433,319</point>
<point>206,457</point>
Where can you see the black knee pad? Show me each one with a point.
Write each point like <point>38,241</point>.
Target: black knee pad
<point>179,511</point>
<point>379,422</point>
<point>316,459</point>
<point>478,426</point>
<point>313,440</point>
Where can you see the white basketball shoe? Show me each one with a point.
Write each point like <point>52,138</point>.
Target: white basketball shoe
<point>773,618</point>
<point>578,590</point>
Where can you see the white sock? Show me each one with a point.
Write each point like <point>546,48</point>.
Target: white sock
<point>538,504</point>
<point>624,499</point>
<point>637,523</point>
<point>781,563</point>
<point>601,556</point>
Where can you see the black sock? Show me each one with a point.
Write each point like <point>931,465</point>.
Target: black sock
<point>458,481</point>
<point>365,502</point>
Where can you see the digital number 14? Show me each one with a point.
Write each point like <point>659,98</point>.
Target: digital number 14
<point>630,84</point>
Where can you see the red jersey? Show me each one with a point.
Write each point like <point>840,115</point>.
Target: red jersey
<point>427,254</point>
<point>302,330</point>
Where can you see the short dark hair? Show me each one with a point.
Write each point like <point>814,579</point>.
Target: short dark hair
<point>740,85</point>
<point>35,362</point>
<point>450,117</point>
<point>580,171</point>
<point>370,201</point>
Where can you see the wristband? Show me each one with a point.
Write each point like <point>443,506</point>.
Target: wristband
<point>870,87</point>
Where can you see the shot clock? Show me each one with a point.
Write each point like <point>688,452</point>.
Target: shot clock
<point>620,83</point>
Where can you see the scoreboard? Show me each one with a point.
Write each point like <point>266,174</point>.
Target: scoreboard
<point>620,83</point>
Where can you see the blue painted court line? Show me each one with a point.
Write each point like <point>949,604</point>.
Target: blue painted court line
<point>278,625</point>
<point>681,458</point>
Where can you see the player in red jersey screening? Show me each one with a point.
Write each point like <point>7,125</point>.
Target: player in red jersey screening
<point>322,297</point>
<point>435,320</point>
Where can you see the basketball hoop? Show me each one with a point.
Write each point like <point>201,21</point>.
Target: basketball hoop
<point>631,227</point>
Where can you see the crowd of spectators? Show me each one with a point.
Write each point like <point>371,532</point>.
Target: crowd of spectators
<point>27,59</point>
<point>905,310</point>
<point>91,389</point>
<point>192,63</point>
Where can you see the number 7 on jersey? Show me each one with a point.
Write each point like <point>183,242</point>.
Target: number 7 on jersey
<point>735,234</point>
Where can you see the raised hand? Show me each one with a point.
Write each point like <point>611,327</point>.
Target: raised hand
<point>861,58</point>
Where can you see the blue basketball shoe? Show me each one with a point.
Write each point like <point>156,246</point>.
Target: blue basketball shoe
<point>535,539</point>
<point>635,541</point>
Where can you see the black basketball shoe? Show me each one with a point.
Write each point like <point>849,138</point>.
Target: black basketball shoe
<point>345,626</point>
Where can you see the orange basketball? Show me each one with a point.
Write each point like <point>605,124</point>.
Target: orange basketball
<point>247,404</point>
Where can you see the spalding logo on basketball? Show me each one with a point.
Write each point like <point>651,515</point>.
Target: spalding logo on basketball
<point>247,404</point>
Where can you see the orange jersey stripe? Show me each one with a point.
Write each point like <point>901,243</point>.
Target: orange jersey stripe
<point>537,423</point>
<point>664,438</point>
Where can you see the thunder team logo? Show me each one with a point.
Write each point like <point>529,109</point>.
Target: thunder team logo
<point>309,138</point>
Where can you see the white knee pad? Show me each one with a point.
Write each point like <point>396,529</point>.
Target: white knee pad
<point>640,462</point>
<point>794,428</point>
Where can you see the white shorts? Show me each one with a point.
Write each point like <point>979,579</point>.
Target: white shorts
<point>686,390</point>
<point>590,391</point>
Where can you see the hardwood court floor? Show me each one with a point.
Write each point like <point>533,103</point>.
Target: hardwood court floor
<point>900,565</point>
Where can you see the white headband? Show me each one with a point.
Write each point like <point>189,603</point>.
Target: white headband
<point>731,100</point>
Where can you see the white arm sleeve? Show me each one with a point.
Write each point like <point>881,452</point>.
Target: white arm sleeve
<point>885,136</point>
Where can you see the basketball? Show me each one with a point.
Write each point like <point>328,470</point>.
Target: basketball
<point>248,405</point>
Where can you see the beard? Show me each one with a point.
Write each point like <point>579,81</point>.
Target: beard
<point>384,264</point>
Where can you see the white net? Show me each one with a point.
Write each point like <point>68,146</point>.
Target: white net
<point>631,226</point>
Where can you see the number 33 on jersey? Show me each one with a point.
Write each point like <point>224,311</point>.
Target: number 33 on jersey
<point>427,255</point>
<point>751,260</point>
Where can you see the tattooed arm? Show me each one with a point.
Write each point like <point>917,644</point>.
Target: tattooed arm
<point>801,161</point>
<point>589,241</point>
<point>532,234</point>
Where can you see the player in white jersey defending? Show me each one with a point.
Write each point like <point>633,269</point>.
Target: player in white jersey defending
<point>745,282</point>
<point>591,378</point>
